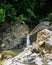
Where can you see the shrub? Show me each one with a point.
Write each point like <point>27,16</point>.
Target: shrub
<point>2,15</point>
<point>7,13</point>
<point>29,11</point>
<point>48,17</point>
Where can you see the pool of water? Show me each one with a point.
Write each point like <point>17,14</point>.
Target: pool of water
<point>12,52</point>
<point>16,51</point>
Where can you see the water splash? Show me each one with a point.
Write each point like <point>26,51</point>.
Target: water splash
<point>28,40</point>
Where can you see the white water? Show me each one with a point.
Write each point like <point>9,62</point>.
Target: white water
<point>28,40</point>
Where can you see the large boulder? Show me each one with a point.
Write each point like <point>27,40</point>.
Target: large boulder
<point>44,40</point>
<point>39,27</point>
<point>43,35</point>
<point>27,57</point>
<point>13,35</point>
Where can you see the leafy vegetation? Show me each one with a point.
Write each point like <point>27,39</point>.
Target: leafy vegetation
<point>48,17</point>
<point>2,15</point>
<point>29,11</point>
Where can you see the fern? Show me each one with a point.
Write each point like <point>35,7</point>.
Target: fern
<point>31,12</point>
<point>2,15</point>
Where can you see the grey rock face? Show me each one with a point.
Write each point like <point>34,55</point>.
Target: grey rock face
<point>13,35</point>
<point>39,27</point>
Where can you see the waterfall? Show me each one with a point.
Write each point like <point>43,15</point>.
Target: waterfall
<point>28,40</point>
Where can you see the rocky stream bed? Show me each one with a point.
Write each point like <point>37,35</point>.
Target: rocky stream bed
<point>39,53</point>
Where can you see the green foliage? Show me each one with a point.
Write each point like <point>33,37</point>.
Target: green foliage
<point>31,12</point>
<point>25,10</point>
<point>2,15</point>
<point>7,13</point>
<point>42,2</point>
<point>10,12</point>
<point>21,18</point>
<point>48,17</point>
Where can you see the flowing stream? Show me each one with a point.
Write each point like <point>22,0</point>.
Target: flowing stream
<point>28,40</point>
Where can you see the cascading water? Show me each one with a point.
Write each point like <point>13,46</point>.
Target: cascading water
<point>28,40</point>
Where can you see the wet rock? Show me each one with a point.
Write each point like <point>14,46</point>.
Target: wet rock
<point>48,56</point>
<point>42,25</point>
<point>43,35</point>
<point>29,58</point>
<point>44,39</point>
<point>8,62</point>
<point>13,35</point>
<point>43,57</point>
<point>23,59</point>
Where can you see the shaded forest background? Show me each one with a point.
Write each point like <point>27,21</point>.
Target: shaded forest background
<point>30,12</point>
